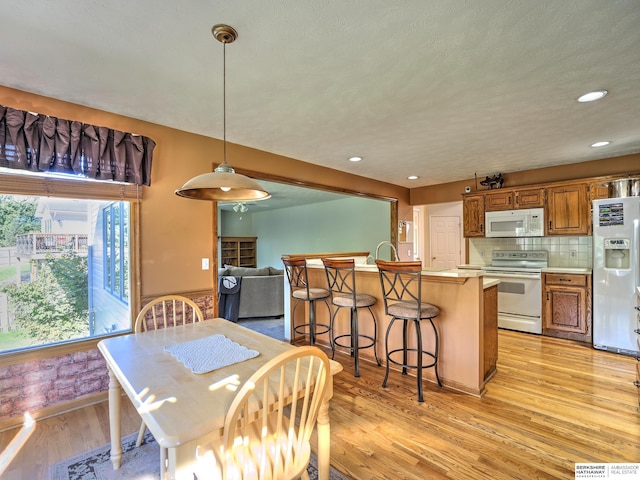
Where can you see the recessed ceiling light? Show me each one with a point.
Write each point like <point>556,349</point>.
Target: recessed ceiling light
<point>592,96</point>
<point>412,177</point>
<point>600,144</point>
<point>355,159</point>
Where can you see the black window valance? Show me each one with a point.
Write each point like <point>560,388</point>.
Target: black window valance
<point>40,143</point>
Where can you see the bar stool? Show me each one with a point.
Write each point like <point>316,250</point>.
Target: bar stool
<point>402,292</point>
<point>296,269</point>
<point>341,279</point>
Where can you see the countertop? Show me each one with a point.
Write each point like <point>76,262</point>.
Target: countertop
<point>547,270</point>
<point>451,273</point>
<point>566,270</point>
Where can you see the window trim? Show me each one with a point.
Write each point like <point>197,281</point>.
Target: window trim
<point>20,184</point>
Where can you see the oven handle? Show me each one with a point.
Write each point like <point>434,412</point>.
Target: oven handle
<point>528,276</point>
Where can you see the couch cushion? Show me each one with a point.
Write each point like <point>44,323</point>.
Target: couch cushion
<point>247,272</point>
<point>275,271</point>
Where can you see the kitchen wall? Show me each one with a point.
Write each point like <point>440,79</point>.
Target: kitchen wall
<point>564,251</point>
<point>350,224</point>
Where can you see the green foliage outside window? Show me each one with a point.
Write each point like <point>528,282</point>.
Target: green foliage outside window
<point>53,307</point>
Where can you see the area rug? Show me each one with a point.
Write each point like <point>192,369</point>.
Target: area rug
<point>141,463</point>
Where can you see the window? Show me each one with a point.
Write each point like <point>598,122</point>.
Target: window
<point>116,249</point>
<point>65,261</point>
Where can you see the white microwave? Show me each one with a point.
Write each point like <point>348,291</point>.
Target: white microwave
<point>527,222</point>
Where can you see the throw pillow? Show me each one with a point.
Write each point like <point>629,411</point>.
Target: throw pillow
<point>275,271</point>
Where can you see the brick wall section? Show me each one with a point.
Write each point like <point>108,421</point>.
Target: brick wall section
<point>34,385</point>
<point>31,386</point>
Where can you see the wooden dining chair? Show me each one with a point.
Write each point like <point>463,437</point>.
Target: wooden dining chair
<point>166,311</point>
<point>272,444</point>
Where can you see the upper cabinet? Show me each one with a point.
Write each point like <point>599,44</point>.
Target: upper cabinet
<point>511,199</point>
<point>567,204</point>
<point>568,210</point>
<point>473,215</point>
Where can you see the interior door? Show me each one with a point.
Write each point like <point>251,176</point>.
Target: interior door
<point>445,242</point>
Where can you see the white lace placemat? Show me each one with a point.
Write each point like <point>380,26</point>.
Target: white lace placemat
<point>209,353</point>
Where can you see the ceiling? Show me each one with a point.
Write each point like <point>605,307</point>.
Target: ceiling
<point>441,89</point>
<point>283,196</point>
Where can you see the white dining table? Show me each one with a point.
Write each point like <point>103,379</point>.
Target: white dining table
<point>184,409</point>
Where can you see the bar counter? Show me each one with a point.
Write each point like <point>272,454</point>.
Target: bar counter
<point>467,323</point>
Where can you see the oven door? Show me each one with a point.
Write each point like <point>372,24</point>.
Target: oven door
<point>519,300</point>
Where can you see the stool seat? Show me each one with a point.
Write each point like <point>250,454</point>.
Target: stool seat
<point>341,279</point>
<point>310,294</point>
<point>362,300</point>
<point>409,310</point>
<point>401,284</point>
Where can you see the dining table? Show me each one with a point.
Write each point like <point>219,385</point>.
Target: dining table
<point>182,408</point>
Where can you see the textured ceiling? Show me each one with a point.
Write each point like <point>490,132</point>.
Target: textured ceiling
<point>442,89</point>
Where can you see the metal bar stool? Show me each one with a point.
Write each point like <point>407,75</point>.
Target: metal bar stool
<point>341,279</point>
<point>296,269</point>
<point>402,292</point>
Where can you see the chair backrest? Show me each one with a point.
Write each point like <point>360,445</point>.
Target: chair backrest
<point>296,269</point>
<point>401,282</point>
<point>168,311</point>
<point>275,444</point>
<point>341,277</point>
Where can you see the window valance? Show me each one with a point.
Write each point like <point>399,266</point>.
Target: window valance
<point>40,143</point>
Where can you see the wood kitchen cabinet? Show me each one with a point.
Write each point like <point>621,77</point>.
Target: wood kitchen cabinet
<point>473,215</point>
<point>238,251</point>
<point>566,306</point>
<point>568,210</point>
<point>514,199</point>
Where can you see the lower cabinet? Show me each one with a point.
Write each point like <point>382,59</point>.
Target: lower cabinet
<point>566,306</point>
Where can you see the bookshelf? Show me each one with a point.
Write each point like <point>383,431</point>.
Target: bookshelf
<point>238,251</point>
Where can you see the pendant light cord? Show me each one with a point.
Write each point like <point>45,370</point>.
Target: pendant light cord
<point>224,101</point>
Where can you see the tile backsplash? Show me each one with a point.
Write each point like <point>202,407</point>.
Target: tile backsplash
<point>564,251</point>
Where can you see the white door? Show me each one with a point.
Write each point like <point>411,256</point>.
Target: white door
<point>445,242</point>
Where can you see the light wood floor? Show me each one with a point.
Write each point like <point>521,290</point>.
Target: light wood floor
<point>551,404</point>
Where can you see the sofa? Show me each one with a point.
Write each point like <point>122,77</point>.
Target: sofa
<point>261,290</point>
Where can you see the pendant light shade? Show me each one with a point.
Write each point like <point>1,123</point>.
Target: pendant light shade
<point>223,184</point>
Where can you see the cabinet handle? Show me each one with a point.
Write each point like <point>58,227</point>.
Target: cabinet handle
<point>550,223</point>
<point>564,279</point>
<point>547,295</point>
<point>636,383</point>
<point>481,227</point>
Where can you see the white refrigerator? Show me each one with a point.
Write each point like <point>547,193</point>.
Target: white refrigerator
<point>616,274</point>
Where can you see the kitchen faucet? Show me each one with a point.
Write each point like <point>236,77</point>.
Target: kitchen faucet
<point>393,247</point>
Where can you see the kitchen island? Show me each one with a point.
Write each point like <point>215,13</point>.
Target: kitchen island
<point>467,322</point>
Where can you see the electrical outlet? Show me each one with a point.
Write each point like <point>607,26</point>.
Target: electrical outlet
<point>482,253</point>
<point>205,264</point>
<point>573,253</point>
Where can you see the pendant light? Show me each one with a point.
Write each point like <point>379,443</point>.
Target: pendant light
<point>223,184</point>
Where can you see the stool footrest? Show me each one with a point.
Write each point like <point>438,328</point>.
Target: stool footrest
<point>371,342</point>
<point>411,365</point>
<point>321,328</point>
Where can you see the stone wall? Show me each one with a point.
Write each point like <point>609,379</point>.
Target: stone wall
<point>31,386</point>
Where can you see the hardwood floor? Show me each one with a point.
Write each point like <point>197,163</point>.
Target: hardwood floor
<point>551,404</point>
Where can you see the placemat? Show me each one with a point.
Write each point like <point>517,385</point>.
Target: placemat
<point>209,353</point>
